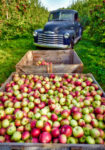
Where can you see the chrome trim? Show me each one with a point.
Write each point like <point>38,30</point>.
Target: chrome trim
<point>49,32</point>
<point>44,38</point>
<point>61,46</point>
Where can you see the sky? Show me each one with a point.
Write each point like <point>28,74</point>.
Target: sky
<point>55,4</point>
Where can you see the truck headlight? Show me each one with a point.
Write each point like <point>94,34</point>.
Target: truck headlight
<point>66,35</point>
<point>35,33</point>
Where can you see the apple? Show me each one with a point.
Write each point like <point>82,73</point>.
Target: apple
<point>65,113</point>
<point>45,137</point>
<point>11,129</point>
<point>81,122</point>
<point>9,111</point>
<point>5,123</point>
<point>55,132</point>
<point>31,98</point>
<point>35,140</point>
<point>102,133</point>
<point>16,87</point>
<point>24,103</point>
<point>96,104</point>
<point>82,139</point>
<point>97,97</point>
<point>94,123</point>
<point>35,132</point>
<point>25,135</point>
<point>2,139</point>
<point>2,114</point>
<point>47,127</point>
<point>64,122</point>
<point>78,132</point>
<point>55,140</point>
<point>62,139</point>
<point>54,117</point>
<point>17,123</point>
<point>39,124</point>
<point>94,132</point>
<point>45,118</point>
<point>28,127</point>
<point>74,109</point>
<point>100,117</point>
<point>37,116</point>
<point>98,110</point>
<point>90,140</point>
<point>25,121</point>
<point>99,140</point>
<point>87,118</point>
<point>17,105</point>
<point>101,125</point>
<point>16,136</point>
<point>77,115</point>
<point>31,105</point>
<point>33,123</point>
<point>67,130</point>
<point>19,114</point>
<point>2,131</point>
<point>30,114</point>
<point>73,123</point>
<point>20,128</point>
<point>71,140</point>
<point>86,131</point>
<point>56,124</point>
<point>87,102</point>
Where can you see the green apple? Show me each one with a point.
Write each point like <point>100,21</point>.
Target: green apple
<point>11,129</point>
<point>87,118</point>
<point>71,140</point>
<point>5,123</point>
<point>16,136</point>
<point>94,132</point>
<point>90,140</point>
<point>78,132</point>
<point>73,123</point>
<point>19,114</point>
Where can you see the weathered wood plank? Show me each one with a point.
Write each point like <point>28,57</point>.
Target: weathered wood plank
<point>59,58</point>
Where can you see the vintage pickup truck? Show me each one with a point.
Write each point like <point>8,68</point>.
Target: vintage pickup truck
<point>62,30</point>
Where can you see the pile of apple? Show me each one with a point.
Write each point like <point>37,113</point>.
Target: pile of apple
<point>42,63</point>
<point>54,109</point>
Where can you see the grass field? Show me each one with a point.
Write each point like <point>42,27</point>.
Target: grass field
<point>92,56</point>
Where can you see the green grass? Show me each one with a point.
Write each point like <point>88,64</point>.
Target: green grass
<point>92,56</point>
<point>10,53</point>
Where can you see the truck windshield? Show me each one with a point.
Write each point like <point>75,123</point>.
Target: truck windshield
<point>57,16</point>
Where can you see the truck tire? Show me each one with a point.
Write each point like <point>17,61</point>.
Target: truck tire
<point>72,43</point>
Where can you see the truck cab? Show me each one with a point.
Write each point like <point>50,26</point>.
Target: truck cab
<point>62,30</point>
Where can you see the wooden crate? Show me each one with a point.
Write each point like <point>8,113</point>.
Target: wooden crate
<point>50,146</point>
<point>63,61</point>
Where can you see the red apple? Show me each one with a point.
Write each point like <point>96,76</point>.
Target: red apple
<point>35,140</point>
<point>35,132</point>
<point>54,117</point>
<point>47,127</point>
<point>63,139</point>
<point>45,137</point>
<point>67,130</point>
<point>65,113</point>
<point>77,115</point>
<point>55,132</point>
<point>25,135</point>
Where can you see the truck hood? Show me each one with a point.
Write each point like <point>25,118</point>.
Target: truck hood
<point>57,26</point>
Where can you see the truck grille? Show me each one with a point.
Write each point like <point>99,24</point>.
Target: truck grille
<point>46,38</point>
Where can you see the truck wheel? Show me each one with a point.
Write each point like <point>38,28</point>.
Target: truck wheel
<point>80,32</point>
<point>72,43</point>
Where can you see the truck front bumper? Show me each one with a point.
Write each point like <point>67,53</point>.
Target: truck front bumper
<point>59,46</point>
